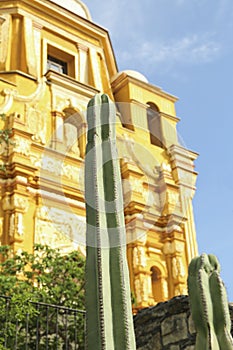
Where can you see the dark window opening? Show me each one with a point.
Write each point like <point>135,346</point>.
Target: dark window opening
<point>57,65</point>
<point>154,125</point>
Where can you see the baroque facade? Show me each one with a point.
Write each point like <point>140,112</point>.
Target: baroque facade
<point>52,61</point>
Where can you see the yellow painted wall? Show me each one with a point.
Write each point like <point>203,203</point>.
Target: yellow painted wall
<point>42,190</point>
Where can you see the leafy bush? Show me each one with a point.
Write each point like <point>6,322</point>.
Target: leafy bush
<point>48,277</point>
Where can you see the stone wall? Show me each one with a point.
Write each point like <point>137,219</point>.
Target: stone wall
<point>166,326</point>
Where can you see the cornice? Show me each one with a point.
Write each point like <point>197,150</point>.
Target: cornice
<point>184,152</point>
<point>70,84</point>
<point>124,79</point>
<point>60,20</point>
<point>170,117</point>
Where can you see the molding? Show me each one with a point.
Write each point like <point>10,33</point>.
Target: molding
<point>184,152</point>
<point>8,82</point>
<point>19,72</point>
<point>82,47</point>
<point>11,95</point>
<point>71,84</point>
<point>123,79</point>
<point>169,116</point>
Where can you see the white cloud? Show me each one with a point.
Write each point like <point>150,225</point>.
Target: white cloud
<point>187,50</point>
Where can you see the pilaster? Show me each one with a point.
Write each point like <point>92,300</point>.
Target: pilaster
<point>182,163</point>
<point>5,33</point>
<point>83,75</point>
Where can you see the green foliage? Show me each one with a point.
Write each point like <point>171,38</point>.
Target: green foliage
<point>43,276</point>
<point>4,138</point>
<point>209,305</point>
<point>4,133</point>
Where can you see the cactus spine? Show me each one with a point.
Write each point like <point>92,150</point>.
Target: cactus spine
<point>109,322</point>
<point>209,305</point>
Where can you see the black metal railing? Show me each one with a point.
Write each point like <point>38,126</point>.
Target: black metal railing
<point>42,326</point>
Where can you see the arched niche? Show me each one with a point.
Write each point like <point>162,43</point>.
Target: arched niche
<point>159,284</point>
<point>74,131</point>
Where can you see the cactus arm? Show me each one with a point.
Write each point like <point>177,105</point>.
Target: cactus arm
<point>201,304</point>
<point>209,305</point>
<point>109,324</point>
<point>222,321</point>
<point>122,310</point>
<point>97,295</point>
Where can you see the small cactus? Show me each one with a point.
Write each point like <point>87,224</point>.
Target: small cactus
<point>109,321</point>
<point>209,305</point>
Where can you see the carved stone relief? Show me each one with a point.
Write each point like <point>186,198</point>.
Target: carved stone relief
<point>143,288</point>
<point>166,167</point>
<point>71,172</point>
<point>15,202</point>
<point>36,122</point>
<point>173,247</point>
<point>20,203</point>
<point>36,160</point>
<point>11,94</point>
<point>21,146</point>
<point>16,225</point>
<point>56,167</point>
<point>12,225</point>
<point>139,257</point>
<point>178,269</point>
<point>59,229</point>
<point>138,290</point>
<point>175,272</point>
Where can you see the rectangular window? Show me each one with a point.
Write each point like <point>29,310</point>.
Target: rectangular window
<point>57,65</point>
<point>60,61</point>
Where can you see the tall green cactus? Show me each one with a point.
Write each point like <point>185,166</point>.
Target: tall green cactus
<point>109,322</point>
<point>209,305</point>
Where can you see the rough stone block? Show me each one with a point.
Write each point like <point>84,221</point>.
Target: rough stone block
<point>192,329</point>
<point>174,329</point>
<point>174,347</point>
<point>156,342</point>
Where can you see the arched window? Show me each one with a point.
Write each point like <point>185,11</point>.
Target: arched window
<point>156,284</point>
<point>124,114</point>
<point>74,132</point>
<point>154,124</point>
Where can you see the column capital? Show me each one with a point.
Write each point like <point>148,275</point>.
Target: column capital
<point>82,47</point>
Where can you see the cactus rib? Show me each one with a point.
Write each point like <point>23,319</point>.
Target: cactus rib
<point>209,306</point>
<point>109,324</point>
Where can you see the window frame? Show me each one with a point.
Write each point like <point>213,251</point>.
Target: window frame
<point>61,58</point>
<point>154,124</point>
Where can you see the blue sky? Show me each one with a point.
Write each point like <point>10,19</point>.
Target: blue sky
<point>186,47</point>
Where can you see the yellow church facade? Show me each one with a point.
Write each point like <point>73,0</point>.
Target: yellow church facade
<point>53,60</point>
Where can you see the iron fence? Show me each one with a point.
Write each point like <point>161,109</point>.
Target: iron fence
<point>42,326</point>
